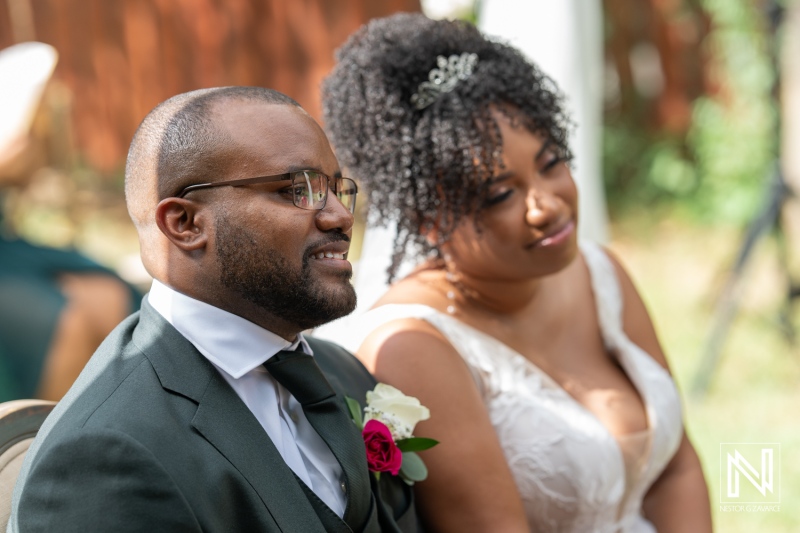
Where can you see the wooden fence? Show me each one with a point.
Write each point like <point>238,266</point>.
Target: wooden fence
<point>119,58</point>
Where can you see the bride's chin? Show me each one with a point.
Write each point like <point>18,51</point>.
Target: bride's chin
<point>555,263</point>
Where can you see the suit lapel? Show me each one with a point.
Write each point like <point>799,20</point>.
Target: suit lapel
<point>330,419</point>
<point>352,458</point>
<point>225,422</point>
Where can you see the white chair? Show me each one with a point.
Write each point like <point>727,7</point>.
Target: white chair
<point>20,420</point>
<point>25,69</point>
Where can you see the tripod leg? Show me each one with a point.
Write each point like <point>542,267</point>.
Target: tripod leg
<point>723,317</point>
<point>728,304</point>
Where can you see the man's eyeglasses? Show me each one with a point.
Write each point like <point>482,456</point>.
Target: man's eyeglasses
<point>309,188</point>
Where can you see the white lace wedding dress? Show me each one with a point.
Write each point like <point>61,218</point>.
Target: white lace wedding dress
<point>573,475</point>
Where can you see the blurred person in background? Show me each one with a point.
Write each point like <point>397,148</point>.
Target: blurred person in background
<point>56,306</point>
<point>552,396</point>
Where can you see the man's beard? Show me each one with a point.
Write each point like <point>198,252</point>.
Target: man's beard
<point>265,278</point>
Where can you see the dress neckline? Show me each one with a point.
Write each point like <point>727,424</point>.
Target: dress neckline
<point>548,378</point>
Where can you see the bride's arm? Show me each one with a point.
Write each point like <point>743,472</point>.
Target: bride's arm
<point>678,500</point>
<point>469,487</point>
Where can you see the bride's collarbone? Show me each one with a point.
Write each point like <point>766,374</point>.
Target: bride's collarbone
<point>543,332</point>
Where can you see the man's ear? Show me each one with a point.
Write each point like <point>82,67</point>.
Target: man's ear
<point>182,223</point>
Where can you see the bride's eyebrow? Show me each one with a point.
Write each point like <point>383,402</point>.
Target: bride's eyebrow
<point>545,145</point>
<point>500,177</point>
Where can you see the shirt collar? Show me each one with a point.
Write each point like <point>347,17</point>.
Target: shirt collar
<point>232,343</point>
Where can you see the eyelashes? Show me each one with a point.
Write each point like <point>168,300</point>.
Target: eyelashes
<point>497,198</point>
<point>552,162</point>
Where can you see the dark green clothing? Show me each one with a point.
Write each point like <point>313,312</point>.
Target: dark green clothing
<point>152,438</point>
<point>30,306</point>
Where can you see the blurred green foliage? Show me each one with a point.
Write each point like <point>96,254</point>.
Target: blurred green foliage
<point>718,171</point>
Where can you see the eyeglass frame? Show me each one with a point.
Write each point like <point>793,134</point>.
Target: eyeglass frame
<point>286,176</point>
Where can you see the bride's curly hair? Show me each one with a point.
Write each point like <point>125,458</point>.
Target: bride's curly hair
<point>427,168</point>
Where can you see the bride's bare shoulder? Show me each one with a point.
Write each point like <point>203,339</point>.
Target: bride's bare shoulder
<point>420,287</point>
<point>408,339</point>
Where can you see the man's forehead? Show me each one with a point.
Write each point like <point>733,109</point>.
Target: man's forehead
<point>278,134</point>
<point>245,106</point>
<point>260,118</point>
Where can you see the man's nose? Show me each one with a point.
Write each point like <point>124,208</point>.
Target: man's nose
<point>334,216</point>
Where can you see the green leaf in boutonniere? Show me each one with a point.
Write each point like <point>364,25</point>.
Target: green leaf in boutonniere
<point>355,411</point>
<point>413,469</point>
<point>416,444</point>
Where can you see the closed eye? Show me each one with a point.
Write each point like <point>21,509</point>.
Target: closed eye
<point>495,199</point>
<point>552,162</point>
<point>500,193</point>
<point>550,157</point>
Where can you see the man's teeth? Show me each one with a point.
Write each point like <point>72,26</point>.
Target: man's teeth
<point>328,255</point>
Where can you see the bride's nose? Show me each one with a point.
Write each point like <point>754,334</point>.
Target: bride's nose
<point>542,208</point>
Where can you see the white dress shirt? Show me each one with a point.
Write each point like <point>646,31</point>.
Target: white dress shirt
<point>238,348</point>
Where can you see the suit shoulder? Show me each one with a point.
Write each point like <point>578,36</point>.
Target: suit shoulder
<point>111,364</point>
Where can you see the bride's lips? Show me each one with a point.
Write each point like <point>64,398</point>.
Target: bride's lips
<point>555,238</point>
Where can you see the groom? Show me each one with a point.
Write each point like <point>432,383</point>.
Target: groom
<point>207,410</point>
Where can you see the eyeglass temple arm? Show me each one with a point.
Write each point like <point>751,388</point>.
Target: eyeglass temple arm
<point>231,183</point>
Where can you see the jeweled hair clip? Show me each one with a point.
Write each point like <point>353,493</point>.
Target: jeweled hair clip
<point>444,78</point>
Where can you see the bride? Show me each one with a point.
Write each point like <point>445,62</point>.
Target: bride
<point>548,389</point>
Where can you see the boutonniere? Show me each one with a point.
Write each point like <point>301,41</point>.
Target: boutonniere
<point>387,425</point>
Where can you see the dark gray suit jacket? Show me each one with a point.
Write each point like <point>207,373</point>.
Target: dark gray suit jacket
<point>152,438</point>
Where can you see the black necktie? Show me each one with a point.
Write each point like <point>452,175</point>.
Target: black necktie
<point>300,375</point>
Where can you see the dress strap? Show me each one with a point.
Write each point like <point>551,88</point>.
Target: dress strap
<point>607,293</point>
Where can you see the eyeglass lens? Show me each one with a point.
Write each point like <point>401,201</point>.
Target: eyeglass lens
<point>310,190</point>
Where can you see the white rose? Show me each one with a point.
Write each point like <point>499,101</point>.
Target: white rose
<point>399,412</point>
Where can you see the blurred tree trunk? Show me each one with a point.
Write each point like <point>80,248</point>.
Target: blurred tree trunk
<point>790,120</point>
<point>654,50</point>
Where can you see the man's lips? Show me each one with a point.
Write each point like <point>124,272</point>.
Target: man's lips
<point>334,250</point>
<point>555,237</point>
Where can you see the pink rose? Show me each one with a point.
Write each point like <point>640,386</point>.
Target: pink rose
<point>383,455</point>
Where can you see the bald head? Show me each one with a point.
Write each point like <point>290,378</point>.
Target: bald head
<point>179,143</point>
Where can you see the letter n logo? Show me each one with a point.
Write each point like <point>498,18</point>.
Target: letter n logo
<point>750,472</point>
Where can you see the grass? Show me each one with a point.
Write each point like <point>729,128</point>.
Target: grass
<point>755,388</point>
